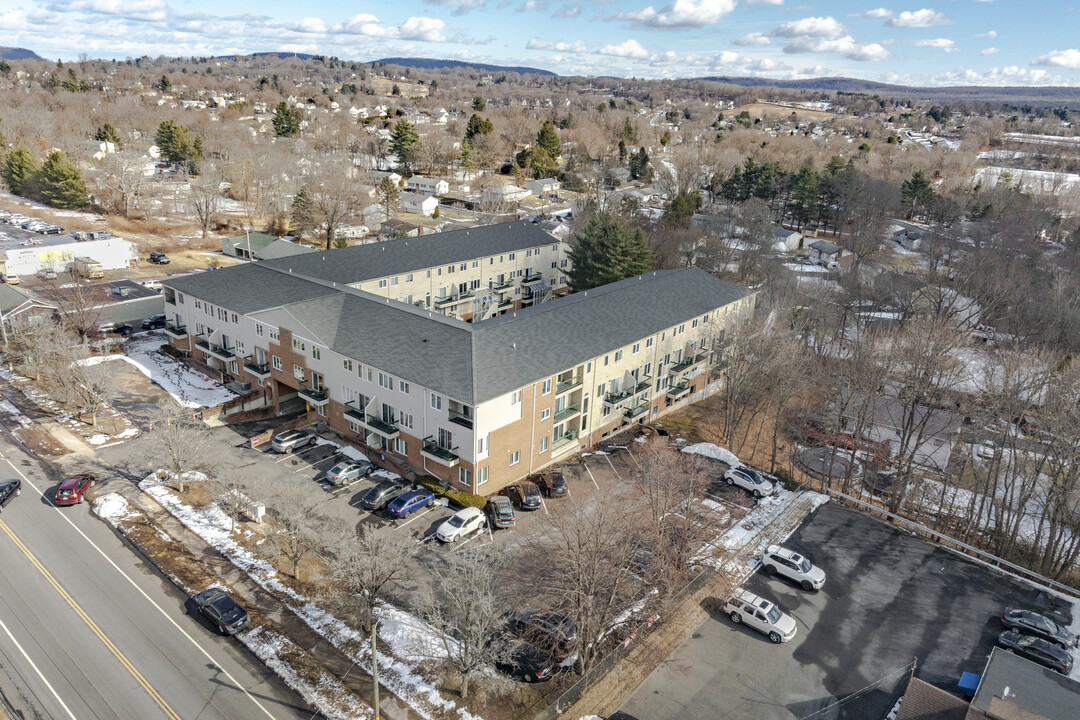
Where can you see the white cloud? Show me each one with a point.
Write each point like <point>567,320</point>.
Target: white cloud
<point>987,34</point>
<point>571,47</point>
<point>1059,58</point>
<point>875,13</point>
<point>627,49</point>
<point>809,27</point>
<point>311,25</point>
<point>424,29</point>
<point>919,19</point>
<point>943,43</point>
<point>845,46</point>
<point>459,6</point>
<point>137,9</point>
<point>754,38</point>
<point>764,2</point>
<point>681,13</point>
<point>570,11</point>
<point>989,51</point>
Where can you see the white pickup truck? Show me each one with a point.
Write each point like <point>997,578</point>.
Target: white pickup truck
<point>745,607</point>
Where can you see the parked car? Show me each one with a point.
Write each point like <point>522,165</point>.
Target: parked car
<point>1030,622</point>
<point>377,497</point>
<point>154,322</point>
<point>9,490</point>
<point>219,608</point>
<point>553,484</point>
<point>751,480</point>
<point>526,662</point>
<point>745,607</point>
<point>159,258</point>
<point>525,495</point>
<point>47,274</point>
<point>500,512</point>
<point>71,491</point>
<point>109,327</point>
<point>1037,650</point>
<point>293,440</point>
<point>780,561</point>
<point>348,470</point>
<point>460,524</point>
<point>11,278</point>
<point>547,629</point>
<point>410,502</point>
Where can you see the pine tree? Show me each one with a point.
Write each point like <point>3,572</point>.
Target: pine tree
<point>388,194</point>
<point>287,120</point>
<point>177,145</point>
<point>548,139</point>
<point>606,251</point>
<point>478,104</point>
<point>917,193</point>
<point>682,207</point>
<point>639,166</point>
<point>107,133</point>
<point>62,183</point>
<point>478,126</point>
<point>468,157</point>
<point>405,143</point>
<point>21,170</point>
<point>303,212</point>
<point>164,84</point>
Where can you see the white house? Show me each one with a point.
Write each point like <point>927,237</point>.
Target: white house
<point>427,186</point>
<point>545,186</point>
<point>506,191</point>
<point>785,240</point>
<point>419,204</point>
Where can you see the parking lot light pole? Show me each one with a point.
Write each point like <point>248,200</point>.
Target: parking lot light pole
<point>375,666</point>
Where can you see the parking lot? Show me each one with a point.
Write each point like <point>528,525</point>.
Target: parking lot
<point>890,598</point>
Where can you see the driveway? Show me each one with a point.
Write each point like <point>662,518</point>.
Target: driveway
<point>890,598</point>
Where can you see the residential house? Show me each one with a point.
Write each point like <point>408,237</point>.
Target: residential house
<point>543,187</point>
<point>391,229</point>
<point>823,252</point>
<point>427,186</point>
<point>785,240</point>
<point>419,204</point>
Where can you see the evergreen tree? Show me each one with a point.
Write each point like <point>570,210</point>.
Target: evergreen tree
<point>287,120</point>
<point>178,145</point>
<point>478,104</point>
<point>548,140</point>
<point>62,183</point>
<point>108,133</point>
<point>628,134</point>
<point>405,143</point>
<point>303,212</point>
<point>682,207</point>
<point>478,126</point>
<point>388,193</point>
<point>639,166</point>
<point>622,149</point>
<point>433,87</point>
<point>468,157</point>
<point>917,193</point>
<point>164,84</point>
<point>21,170</point>
<point>606,251</point>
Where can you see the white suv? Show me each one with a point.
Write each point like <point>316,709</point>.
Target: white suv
<point>780,561</point>
<point>745,607</point>
<point>751,480</point>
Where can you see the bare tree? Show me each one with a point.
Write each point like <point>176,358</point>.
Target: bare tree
<point>86,385</point>
<point>366,564</point>
<point>182,442</point>
<point>334,198</point>
<point>205,192</point>
<point>118,181</point>
<point>229,495</point>
<point>294,509</point>
<point>36,344</point>
<point>79,306</point>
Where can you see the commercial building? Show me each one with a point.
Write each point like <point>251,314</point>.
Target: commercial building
<point>58,252</point>
<point>372,337</point>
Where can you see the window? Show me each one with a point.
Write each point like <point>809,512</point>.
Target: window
<point>403,387</point>
<point>543,444</point>
<point>588,367</point>
<point>347,364</point>
<point>693,324</point>
<point>682,328</point>
<point>512,256</point>
<point>706,318</point>
<point>545,413</point>
<point>198,304</point>
<point>474,285</point>
<point>405,420</point>
<point>234,319</point>
<point>259,329</point>
<point>449,269</point>
<point>464,476</point>
<point>564,263</point>
<point>605,361</point>
<point>298,372</point>
<point>409,277</point>
<point>316,352</point>
<point>546,389</point>
<point>299,345</point>
<point>515,458</point>
<point>180,298</point>
<point>554,265</point>
<point>322,410</point>
<point>618,355</point>
<point>648,343</point>
<point>275,335</point>
<point>475,264</point>
<point>393,282</point>
<point>463,267</point>
<point>562,279</point>
<point>357,428</point>
<point>382,283</point>
<point>407,299</point>
<point>601,388</point>
<point>481,476</point>
<point>515,397</point>
<point>436,401</point>
<point>605,411</point>
<point>636,349</point>
<point>385,381</point>
<point>480,445</point>
<point>223,315</point>
<point>276,362</point>
<point>401,447</point>
<point>647,371</point>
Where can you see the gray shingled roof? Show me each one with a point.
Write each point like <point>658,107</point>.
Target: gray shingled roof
<point>282,248</point>
<point>247,288</point>
<point>395,257</point>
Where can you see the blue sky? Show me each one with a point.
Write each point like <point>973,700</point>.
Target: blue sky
<point>963,42</point>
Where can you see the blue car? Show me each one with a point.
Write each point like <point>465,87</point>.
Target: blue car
<point>410,502</point>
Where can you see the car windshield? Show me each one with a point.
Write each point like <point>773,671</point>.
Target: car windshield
<point>773,615</point>
<point>804,565</point>
<point>456,521</point>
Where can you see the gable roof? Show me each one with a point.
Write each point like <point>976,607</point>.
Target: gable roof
<point>255,241</point>
<point>247,288</point>
<point>825,247</point>
<point>282,248</point>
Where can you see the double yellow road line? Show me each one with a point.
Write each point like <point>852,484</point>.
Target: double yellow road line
<point>169,712</point>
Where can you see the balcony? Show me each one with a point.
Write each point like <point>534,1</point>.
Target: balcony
<point>503,286</point>
<point>171,299</point>
<point>203,343</point>
<point>636,412</point>
<point>566,441</point>
<point>618,398</point>
<point>643,384</point>
<point>441,455</point>
<point>567,413</point>
<point>257,369</point>
<point>568,385</point>
<point>448,300</point>
<point>221,352</point>
<point>679,390</point>
<point>313,396</point>
<point>506,304</point>
<point>531,278</point>
<point>461,419</point>
<point>686,364</point>
<point>176,332</point>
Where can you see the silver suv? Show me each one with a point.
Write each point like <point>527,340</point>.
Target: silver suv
<point>293,440</point>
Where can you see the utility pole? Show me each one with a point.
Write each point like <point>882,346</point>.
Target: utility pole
<point>375,667</point>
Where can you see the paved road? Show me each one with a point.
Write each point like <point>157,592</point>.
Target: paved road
<point>88,630</point>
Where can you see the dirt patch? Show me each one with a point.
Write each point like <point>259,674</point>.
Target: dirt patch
<point>770,111</point>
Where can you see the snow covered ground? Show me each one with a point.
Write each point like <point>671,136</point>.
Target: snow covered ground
<point>189,387</point>
<point>713,451</point>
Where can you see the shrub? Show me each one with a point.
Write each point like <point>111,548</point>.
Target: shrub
<point>785,476</point>
<point>464,499</point>
<point>171,351</point>
<point>431,483</point>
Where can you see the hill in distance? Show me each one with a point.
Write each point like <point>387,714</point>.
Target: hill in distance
<point>14,53</point>
<point>431,63</point>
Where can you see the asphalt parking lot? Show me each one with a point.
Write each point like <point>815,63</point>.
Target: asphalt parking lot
<point>889,598</point>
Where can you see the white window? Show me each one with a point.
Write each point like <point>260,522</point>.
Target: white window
<point>259,329</point>
<point>618,355</point>
<point>528,253</point>
<point>436,401</point>
<point>547,387</point>
<point>347,364</point>
<point>543,444</point>
<point>600,390</point>
<point>512,256</point>
<point>299,345</point>
<point>706,318</point>
<point>636,349</point>
<point>198,304</point>
<point>405,419</point>
<point>606,360</point>
<point>463,267</point>
<point>648,343</point>
<point>234,319</point>
<point>481,476</point>
<point>682,328</point>
<point>322,410</point>
<point>180,298</point>
<point>382,283</point>
<point>515,458</point>
<point>475,264</point>
<point>693,324</point>
<point>407,299</point>
<point>400,447</point>
<point>385,381</point>
<point>480,442</point>
<point>393,281</point>
<point>515,397</point>
<point>357,428</point>
<point>403,387</point>
<point>276,362</point>
<point>316,352</point>
<point>545,413</point>
<point>464,476</point>
<point>274,335</point>
<point>408,278</point>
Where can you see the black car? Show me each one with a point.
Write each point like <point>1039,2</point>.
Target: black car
<point>9,489</point>
<point>547,629</point>
<point>108,327</point>
<point>159,258</point>
<point>500,512</point>
<point>1030,622</point>
<point>527,662</point>
<point>379,496</point>
<point>1037,650</point>
<point>220,609</point>
<point>553,484</point>
<point>154,322</point>
<point>525,495</point>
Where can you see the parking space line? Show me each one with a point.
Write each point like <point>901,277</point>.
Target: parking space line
<point>608,458</point>
<point>463,544</point>
<point>591,476</point>
<point>414,517</point>
<point>544,504</point>
<point>568,491</point>
<point>632,456</point>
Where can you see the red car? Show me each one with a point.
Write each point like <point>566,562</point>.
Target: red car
<point>71,491</point>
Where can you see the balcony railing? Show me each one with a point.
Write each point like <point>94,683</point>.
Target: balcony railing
<point>257,368</point>
<point>316,397</point>
<point>617,398</point>
<point>531,278</point>
<point>203,343</point>
<point>506,303</point>
<point>223,352</point>
<point>565,441</point>
<point>686,363</point>
<point>568,412</point>
<point>439,454</point>
<point>679,390</point>
<point>636,412</point>
<point>177,331</point>
<point>568,385</point>
<point>643,384</point>
<point>381,426</point>
<point>356,414</point>
<point>461,418</point>
<point>503,286</point>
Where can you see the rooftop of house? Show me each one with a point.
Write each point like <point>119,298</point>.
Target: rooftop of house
<point>1011,683</point>
<point>282,248</point>
<point>250,241</point>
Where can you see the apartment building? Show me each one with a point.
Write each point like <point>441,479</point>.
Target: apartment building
<point>477,404</point>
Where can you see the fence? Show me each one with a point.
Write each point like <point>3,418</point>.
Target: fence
<point>956,545</point>
<point>606,663</point>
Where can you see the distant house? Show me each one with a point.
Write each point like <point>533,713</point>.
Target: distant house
<point>785,240</point>
<point>427,186</point>
<point>260,246</point>
<point>540,188</point>
<point>506,191</point>
<point>909,239</point>
<point>419,204</point>
<point>398,228</point>
<point>824,252</point>
<point>376,176</point>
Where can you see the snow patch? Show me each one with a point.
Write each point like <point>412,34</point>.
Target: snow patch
<point>715,452</point>
<point>190,388</point>
<point>113,508</point>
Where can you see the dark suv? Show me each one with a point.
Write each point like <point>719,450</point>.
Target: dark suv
<point>500,512</point>
<point>154,322</point>
<point>9,489</point>
<point>525,495</point>
<point>159,258</point>
<point>109,327</point>
<point>376,498</point>
<point>553,484</point>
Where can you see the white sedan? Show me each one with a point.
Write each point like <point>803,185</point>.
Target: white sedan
<point>751,480</point>
<point>461,524</point>
<point>780,561</point>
